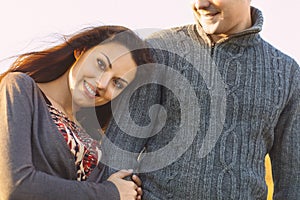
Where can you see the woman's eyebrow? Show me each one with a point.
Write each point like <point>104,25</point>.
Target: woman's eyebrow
<point>123,80</point>
<point>107,59</point>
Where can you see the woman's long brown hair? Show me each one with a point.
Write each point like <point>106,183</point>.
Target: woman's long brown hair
<point>49,64</point>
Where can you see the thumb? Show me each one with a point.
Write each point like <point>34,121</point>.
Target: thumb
<point>123,173</point>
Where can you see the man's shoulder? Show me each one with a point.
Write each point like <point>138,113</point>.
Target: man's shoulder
<point>281,60</point>
<point>171,36</point>
<point>276,53</point>
<point>168,33</point>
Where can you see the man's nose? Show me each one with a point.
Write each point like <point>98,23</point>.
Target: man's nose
<point>200,4</point>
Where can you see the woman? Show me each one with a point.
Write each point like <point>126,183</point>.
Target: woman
<point>45,152</point>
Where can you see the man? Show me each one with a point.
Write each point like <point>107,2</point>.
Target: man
<point>229,98</point>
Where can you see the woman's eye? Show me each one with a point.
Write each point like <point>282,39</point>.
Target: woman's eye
<point>118,84</point>
<point>101,64</point>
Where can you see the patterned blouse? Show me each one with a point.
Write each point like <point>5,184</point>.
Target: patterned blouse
<point>86,150</point>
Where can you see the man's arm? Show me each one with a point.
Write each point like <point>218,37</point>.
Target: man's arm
<point>285,154</point>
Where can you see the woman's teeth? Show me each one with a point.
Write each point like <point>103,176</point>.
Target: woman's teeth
<point>89,89</point>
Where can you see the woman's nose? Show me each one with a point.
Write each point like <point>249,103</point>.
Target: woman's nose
<point>103,81</point>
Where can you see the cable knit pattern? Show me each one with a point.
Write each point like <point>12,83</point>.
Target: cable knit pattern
<point>262,116</point>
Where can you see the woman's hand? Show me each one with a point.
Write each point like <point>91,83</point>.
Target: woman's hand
<point>128,190</point>
<point>138,182</point>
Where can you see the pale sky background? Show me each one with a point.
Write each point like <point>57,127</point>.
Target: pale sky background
<point>25,25</point>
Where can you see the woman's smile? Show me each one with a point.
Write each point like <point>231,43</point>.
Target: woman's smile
<point>89,90</point>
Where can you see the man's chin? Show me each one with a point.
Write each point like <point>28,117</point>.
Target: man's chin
<point>210,28</point>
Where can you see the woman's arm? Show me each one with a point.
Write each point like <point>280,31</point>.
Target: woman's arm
<point>19,178</point>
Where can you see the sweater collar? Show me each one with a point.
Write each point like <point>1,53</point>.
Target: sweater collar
<point>257,23</point>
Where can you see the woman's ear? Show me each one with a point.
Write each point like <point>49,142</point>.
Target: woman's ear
<point>77,53</point>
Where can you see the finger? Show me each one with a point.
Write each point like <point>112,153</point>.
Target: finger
<point>137,180</point>
<point>139,197</point>
<point>139,191</point>
<point>123,173</point>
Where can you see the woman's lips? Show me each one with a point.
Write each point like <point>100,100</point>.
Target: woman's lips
<point>89,90</point>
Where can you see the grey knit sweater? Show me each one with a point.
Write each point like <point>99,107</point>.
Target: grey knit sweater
<point>35,161</point>
<point>226,106</point>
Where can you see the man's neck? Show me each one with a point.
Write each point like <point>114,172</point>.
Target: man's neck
<point>218,38</point>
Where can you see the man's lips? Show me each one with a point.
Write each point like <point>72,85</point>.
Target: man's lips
<point>208,14</point>
<point>205,15</point>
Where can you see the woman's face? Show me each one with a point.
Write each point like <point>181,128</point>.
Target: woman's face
<point>100,74</point>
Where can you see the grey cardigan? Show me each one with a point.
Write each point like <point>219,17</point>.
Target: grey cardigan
<point>262,115</point>
<point>35,161</point>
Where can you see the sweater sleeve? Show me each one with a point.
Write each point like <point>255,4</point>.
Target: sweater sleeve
<point>19,179</point>
<point>285,154</point>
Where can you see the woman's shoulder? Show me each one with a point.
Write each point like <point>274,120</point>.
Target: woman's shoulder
<point>18,83</point>
<point>17,78</point>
